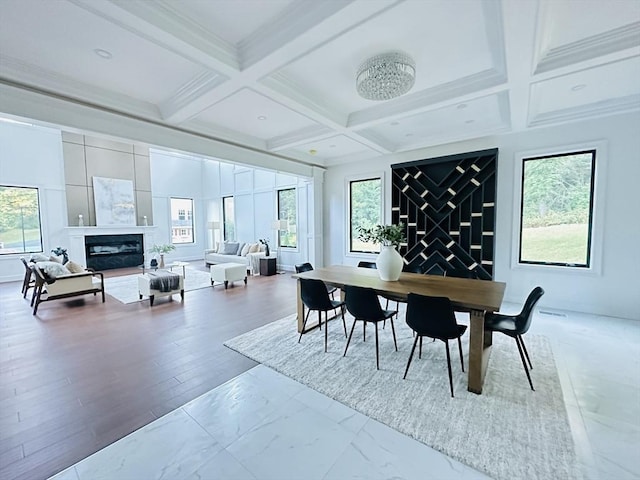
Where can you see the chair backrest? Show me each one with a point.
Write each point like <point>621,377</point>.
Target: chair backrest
<point>303,267</point>
<point>414,269</point>
<point>367,265</point>
<point>460,273</point>
<point>523,319</point>
<point>363,303</point>
<point>431,316</point>
<point>314,294</point>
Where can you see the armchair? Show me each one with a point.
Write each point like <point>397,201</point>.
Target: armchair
<point>75,284</point>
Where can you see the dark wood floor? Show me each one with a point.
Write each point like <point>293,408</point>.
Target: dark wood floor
<point>83,374</point>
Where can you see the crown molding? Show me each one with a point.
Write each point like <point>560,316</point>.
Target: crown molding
<point>190,92</point>
<point>621,38</point>
<point>615,106</point>
<point>27,75</point>
<point>409,104</point>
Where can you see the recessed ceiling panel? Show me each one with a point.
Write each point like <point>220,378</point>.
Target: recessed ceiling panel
<point>328,148</point>
<point>63,39</point>
<point>587,87</point>
<point>233,20</point>
<point>447,40</point>
<point>255,115</point>
<point>461,120</point>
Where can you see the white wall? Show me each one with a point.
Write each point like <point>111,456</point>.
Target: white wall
<point>32,157</point>
<point>615,290</point>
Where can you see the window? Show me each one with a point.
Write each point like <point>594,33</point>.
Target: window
<point>19,220</point>
<point>181,220</point>
<point>365,210</point>
<point>556,213</point>
<point>228,215</point>
<point>287,212</point>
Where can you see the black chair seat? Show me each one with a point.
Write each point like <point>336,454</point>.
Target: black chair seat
<point>315,296</point>
<point>500,323</point>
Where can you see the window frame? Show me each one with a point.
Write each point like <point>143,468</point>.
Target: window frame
<point>596,228</point>
<point>295,195</point>
<point>40,226</point>
<point>224,217</point>
<point>180,227</point>
<point>349,240</point>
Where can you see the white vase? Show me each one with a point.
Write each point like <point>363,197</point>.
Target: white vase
<point>389,263</point>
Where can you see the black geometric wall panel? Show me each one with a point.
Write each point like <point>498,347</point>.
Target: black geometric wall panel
<point>448,206</point>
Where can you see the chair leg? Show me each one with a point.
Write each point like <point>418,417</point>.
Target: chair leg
<point>524,363</point>
<point>364,331</point>
<point>344,323</point>
<point>326,329</point>
<point>420,351</point>
<point>304,324</point>
<point>460,350</point>
<point>446,344</point>
<point>406,370</point>
<point>526,354</point>
<point>320,319</point>
<point>349,339</point>
<point>377,352</point>
<point>393,330</point>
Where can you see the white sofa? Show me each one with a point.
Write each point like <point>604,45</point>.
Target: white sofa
<point>251,260</point>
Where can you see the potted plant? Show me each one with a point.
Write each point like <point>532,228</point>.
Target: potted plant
<point>389,261</point>
<point>162,249</point>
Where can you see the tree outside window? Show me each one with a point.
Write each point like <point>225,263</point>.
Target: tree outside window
<point>365,210</point>
<point>19,220</point>
<point>557,209</point>
<point>182,220</point>
<point>287,211</point>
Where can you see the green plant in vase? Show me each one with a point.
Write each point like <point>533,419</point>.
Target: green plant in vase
<point>162,249</point>
<point>389,261</point>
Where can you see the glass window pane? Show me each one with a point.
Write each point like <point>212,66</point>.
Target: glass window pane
<point>182,220</point>
<point>287,212</point>
<point>19,220</point>
<point>365,201</point>
<point>228,215</point>
<point>557,204</point>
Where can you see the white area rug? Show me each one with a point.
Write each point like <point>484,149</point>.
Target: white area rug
<point>508,432</point>
<point>125,289</point>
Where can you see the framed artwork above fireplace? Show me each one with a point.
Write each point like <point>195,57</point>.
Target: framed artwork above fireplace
<point>114,201</point>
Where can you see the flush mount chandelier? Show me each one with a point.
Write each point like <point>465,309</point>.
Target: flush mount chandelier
<point>386,76</point>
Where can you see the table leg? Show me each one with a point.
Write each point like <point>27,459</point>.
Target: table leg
<point>300,308</point>
<point>479,351</point>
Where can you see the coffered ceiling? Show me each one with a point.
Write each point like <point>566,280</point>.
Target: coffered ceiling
<point>279,75</point>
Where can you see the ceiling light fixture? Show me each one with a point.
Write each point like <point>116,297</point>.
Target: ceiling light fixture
<point>262,117</point>
<point>580,86</point>
<point>103,53</point>
<point>313,151</point>
<point>386,76</point>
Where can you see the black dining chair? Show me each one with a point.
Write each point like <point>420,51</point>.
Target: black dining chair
<point>307,267</point>
<point>515,326</point>
<point>434,317</point>
<point>364,305</point>
<point>315,297</point>
<point>29,280</point>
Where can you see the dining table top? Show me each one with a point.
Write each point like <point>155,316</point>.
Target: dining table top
<point>469,293</point>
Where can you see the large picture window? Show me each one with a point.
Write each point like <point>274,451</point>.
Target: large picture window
<point>556,213</point>
<point>19,220</point>
<point>365,210</point>
<point>228,216</point>
<point>287,212</point>
<point>182,220</point>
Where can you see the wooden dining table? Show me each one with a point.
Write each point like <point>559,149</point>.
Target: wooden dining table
<point>476,296</point>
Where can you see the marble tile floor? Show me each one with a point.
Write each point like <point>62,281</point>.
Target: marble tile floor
<point>263,425</point>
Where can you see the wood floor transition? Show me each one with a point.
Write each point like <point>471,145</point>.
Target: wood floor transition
<point>83,374</point>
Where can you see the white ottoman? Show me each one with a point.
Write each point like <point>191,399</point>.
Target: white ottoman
<point>228,272</point>
<point>144,288</point>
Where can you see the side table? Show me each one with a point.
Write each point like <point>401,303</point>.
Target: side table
<point>267,266</point>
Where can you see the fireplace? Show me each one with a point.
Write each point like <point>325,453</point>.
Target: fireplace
<point>106,252</point>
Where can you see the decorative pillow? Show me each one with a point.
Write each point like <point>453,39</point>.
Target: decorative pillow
<point>74,267</point>
<point>240,247</point>
<point>219,247</point>
<point>53,269</point>
<point>39,257</point>
<point>53,258</point>
<point>230,248</point>
<point>254,248</point>
<point>245,250</point>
